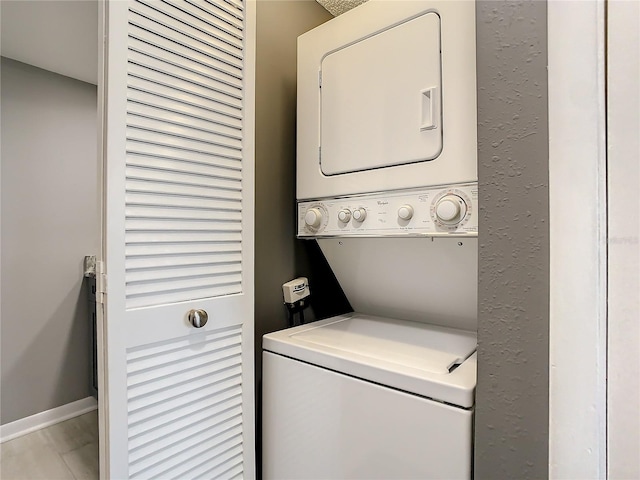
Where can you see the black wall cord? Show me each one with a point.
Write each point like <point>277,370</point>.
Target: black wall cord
<point>296,307</point>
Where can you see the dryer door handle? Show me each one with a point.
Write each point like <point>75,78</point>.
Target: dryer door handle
<point>429,107</point>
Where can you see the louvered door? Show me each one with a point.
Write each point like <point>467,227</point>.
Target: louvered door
<point>177,401</point>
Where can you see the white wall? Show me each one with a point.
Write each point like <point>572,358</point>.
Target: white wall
<point>50,220</point>
<point>57,35</point>
<point>623,172</point>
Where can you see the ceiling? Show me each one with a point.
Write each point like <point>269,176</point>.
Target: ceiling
<point>57,35</point>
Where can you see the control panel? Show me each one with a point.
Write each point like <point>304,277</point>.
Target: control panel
<point>436,211</point>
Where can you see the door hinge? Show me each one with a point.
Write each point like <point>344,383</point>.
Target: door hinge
<point>90,266</point>
<point>101,283</point>
<point>95,269</point>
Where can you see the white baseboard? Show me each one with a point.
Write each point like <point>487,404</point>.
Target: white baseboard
<point>47,418</point>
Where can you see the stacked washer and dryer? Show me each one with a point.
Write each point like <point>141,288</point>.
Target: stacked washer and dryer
<point>387,185</point>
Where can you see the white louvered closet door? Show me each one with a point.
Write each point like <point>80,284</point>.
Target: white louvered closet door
<point>176,401</point>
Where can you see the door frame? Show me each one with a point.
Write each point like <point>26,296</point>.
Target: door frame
<point>103,437</point>
<point>578,239</point>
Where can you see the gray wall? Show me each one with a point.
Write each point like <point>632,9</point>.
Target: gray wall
<point>278,25</point>
<point>512,411</point>
<point>49,222</point>
<point>279,256</point>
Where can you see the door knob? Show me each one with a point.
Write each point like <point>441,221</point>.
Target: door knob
<point>198,318</point>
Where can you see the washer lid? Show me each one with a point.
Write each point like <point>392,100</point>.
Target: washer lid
<point>428,360</point>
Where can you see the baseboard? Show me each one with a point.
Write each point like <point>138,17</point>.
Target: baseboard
<point>47,418</point>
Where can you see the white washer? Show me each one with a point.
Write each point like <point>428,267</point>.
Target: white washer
<point>364,397</point>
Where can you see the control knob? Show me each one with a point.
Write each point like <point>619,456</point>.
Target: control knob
<point>450,209</point>
<point>344,215</point>
<point>405,212</point>
<point>359,214</point>
<point>313,217</point>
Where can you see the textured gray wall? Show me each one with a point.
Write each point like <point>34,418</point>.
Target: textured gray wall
<point>512,412</point>
<point>50,207</point>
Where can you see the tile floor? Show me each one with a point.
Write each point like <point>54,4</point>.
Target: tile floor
<point>65,451</point>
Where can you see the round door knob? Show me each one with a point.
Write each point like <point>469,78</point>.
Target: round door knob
<point>344,215</point>
<point>359,214</point>
<point>405,212</point>
<point>449,208</point>
<point>313,217</point>
<point>198,318</point>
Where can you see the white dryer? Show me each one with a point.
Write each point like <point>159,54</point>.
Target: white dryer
<point>387,99</point>
<point>387,185</point>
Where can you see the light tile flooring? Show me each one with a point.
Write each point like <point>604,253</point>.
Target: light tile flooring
<point>65,451</point>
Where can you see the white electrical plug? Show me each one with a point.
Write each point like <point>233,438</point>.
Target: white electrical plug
<point>296,290</point>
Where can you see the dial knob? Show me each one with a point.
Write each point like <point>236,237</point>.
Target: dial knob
<point>344,215</point>
<point>450,208</point>
<point>405,212</point>
<point>313,217</point>
<point>359,214</point>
